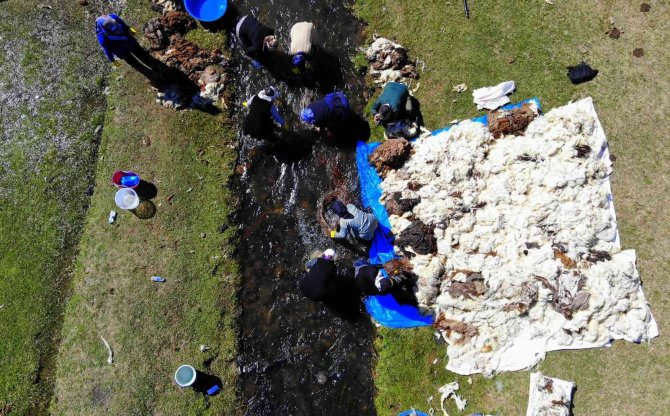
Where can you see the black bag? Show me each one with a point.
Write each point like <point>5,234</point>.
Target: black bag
<point>581,73</point>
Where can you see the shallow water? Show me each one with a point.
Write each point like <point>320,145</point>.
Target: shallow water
<point>289,343</point>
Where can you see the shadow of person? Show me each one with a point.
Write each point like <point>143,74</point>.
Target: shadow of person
<point>416,116</point>
<point>322,73</point>
<point>164,78</point>
<point>344,299</point>
<point>291,146</point>
<point>348,133</point>
<point>204,382</point>
<point>146,190</point>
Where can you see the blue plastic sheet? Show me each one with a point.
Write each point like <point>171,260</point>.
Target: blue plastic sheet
<point>384,308</point>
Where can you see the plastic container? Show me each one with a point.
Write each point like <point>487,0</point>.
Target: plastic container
<point>126,198</point>
<point>185,376</point>
<point>412,413</point>
<point>125,179</point>
<point>158,279</point>
<point>206,10</point>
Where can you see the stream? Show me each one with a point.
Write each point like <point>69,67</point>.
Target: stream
<point>298,357</point>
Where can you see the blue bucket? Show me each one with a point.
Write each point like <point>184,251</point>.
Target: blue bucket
<point>412,413</point>
<point>206,10</point>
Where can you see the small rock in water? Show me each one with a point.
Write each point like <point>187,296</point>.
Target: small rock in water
<point>321,377</point>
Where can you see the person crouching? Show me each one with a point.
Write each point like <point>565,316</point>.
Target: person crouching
<point>353,222</point>
<point>259,121</point>
<point>303,40</point>
<point>317,280</point>
<point>328,113</point>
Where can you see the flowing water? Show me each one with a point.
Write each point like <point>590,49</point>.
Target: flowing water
<point>298,357</point>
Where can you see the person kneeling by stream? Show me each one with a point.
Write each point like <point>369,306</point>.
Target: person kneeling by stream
<point>321,272</point>
<point>259,121</point>
<point>353,222</point>
<point>372,279</point>
<point>328,113</point>
<point>258,41</point>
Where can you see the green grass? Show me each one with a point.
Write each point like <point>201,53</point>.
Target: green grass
<point>154,327</point>
<point>630,95</point>
<point>42,197</point>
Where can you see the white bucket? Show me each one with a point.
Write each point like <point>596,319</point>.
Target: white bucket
<point>185,376</point>
<point>126,198</point>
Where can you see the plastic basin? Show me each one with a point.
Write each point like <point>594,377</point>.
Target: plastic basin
<point>185,376</point>
<point>125,179</point>
<point>126,198</point>
<point>206,10</point>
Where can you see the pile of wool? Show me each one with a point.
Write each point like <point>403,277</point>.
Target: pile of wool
<point>389,62</point>
<point>549,396</point>
<point>528,258</point>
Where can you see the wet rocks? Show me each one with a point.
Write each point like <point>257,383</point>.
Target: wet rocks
<point>391,154</point>
<point>511,122</point>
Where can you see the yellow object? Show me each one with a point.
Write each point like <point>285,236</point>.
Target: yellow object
<point>332,234</point>
<point>133,30</point>
<point>116,63</point>
<point>245,104</point>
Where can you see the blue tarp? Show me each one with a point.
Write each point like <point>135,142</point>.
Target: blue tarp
<point>384,308</point>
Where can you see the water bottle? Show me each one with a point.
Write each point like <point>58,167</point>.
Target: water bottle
<point>158,279</point>
<point>112,217</point>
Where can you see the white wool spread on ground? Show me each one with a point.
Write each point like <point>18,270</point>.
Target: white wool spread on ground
<point>549,396</point>
<point>528,222</point>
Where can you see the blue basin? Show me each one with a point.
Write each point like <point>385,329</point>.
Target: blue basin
<point>206,10</point>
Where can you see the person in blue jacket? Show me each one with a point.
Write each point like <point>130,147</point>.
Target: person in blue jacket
<point>327,113</point>
<point>117,41</point>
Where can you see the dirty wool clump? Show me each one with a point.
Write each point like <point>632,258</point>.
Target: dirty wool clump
<point>206,69</point>
<point>505,122</point>
<point>527,257</point>
<point>391,154</point>
<point>549,396</point>
<point>389,61</point>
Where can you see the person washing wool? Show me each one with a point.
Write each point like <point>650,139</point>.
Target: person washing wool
<point>257,40</point>
<point>397,111</point>
<point>316,282</point>
<point>353,222</point>
<point>303,40</point>
<point>327,113</point>
<point>373,279</point>
<point>259,121</point>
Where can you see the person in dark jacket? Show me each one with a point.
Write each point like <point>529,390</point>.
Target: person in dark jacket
<point>397,111</point>
<point>327,113</point>
<point>321,271</point>
<point>258,122</point>
<point>116,40</point>
<point>256,39</point>
<point>372,279</point>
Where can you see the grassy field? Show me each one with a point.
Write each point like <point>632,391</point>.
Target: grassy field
<point>50,105</point>
<point>532,43</point>
<point>153,328</point>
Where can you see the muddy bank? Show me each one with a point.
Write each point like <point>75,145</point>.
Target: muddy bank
<point>298,357</point>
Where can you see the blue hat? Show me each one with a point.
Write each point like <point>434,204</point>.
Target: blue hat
<point>299,59</point>
<point>307,116</point>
